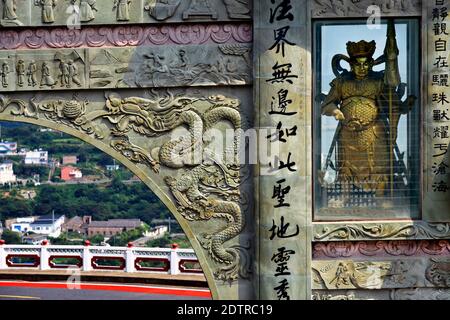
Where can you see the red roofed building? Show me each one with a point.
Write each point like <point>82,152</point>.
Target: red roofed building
<point>70,173</point>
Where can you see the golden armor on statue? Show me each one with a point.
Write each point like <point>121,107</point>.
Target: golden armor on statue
<point>368,106</point>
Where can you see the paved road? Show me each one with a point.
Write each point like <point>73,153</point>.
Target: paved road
<point>15,290</point>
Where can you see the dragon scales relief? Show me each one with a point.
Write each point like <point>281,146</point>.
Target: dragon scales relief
<point>155,97</point>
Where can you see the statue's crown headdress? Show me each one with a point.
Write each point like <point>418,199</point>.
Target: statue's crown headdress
<point>361,49</point>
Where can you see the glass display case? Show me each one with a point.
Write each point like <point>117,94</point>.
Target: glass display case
<point>366,123</point>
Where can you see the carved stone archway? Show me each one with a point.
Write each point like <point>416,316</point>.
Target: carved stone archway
<point>205,195</point>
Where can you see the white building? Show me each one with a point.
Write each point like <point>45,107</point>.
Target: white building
<point>7,173</point>
<point>36,157</point>
<point>22,224</point>
<point>157,232</point>
<point>49,225</point>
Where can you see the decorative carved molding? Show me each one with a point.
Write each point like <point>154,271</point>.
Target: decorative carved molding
<point>205,185</point>
<point>342,249</point>
<point>381,231</point>
<point>359,8</point>
<point>122,36</point>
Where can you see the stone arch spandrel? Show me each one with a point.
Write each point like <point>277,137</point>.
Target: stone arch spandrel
<point>130,126</point>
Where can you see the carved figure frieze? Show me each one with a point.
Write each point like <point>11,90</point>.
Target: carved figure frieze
<point>227,64</point>
<point>122,8</point>
<point>73,13</point>
<point>4,72</point>
<point>68,69</point>
<point>48,6</point>
<point>46,77</point>
<point>9,15</point>
<point>87,9</point>
<point>62,69</point>
<point>31,74</point>
<point>355,8</point>
<point>223,65</point>
<point>20,70</point>
<point>205,184</point>
<point>9,9</point>
<point>200,9</point>
<point>161,9</point>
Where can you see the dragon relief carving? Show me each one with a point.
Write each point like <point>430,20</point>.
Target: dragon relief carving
<point>207,185</point>
<point>22,107</point>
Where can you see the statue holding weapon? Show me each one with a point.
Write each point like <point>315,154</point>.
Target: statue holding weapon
<point>368,106</point>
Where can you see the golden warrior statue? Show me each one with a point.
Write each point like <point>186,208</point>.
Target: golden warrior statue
<point>368,106</point>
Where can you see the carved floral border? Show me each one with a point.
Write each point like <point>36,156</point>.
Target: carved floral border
<point>125,36</point>
<point>419,230</point>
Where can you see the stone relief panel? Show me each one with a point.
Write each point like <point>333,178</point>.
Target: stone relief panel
<point>123,36</point>
<point>350,274</point>
<point>227,64</point>
<point>128,67</point>
<point>359,8</point>
<point>78,13</point>
<point>26,70</point>
<point>414,272</point>
<point>165,134</point>
<point>395,294</point>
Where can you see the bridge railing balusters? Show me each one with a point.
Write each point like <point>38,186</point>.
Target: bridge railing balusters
<point>133,259</point>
